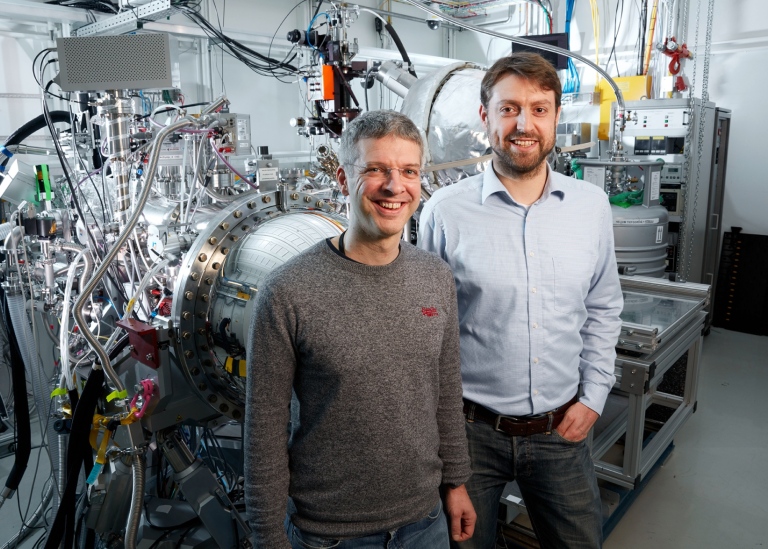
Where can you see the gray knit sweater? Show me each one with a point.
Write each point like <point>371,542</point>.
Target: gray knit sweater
<point>373,354</point>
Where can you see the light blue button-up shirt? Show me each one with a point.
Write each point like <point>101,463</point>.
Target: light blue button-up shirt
<point>538,290</point>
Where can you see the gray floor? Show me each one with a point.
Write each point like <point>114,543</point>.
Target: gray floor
<point>712,492</point>
<point>713,489</point>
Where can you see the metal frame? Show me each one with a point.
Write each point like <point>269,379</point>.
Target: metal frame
<point>637,383</point>
<point>128,20</point>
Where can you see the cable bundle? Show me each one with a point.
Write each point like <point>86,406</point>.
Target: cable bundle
<point>572,82</point>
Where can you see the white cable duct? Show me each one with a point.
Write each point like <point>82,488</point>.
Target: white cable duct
<point>41,389</point>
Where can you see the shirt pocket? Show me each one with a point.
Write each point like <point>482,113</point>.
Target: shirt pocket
<point>573,276</point>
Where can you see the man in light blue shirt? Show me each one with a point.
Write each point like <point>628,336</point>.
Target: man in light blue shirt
<point>539,303</point>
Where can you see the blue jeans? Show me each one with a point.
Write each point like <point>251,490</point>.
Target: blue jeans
<point>431,532</point>
<point>556,478</point>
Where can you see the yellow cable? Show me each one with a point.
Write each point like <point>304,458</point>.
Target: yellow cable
<point>596,28</point>
<point>651,32</point>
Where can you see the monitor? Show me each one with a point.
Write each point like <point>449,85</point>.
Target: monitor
<point>557,39</point>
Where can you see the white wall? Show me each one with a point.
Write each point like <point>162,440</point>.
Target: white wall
<point>737,75</point>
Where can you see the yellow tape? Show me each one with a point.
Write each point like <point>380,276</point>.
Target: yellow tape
<point>229,366</point>
<point>117,394</point>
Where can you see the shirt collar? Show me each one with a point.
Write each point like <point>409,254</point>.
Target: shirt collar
<point>492,185</point>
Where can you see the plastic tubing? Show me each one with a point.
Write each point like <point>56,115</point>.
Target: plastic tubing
<point>143,284</point>
<point>104,363</point>
<point>66,377</point>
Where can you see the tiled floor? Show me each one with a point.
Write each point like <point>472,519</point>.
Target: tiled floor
<point>711,493</point>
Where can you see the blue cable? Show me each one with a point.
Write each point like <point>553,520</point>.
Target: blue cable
<point>309,28</point>
<point>572,80</point>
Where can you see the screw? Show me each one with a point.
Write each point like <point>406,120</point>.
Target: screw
<point>149,356</point>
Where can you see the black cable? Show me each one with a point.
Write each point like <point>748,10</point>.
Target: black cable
<point>78,445</point>
<point>400,47</point>
<point>23,431</point>
<point>618,18</point>
<point>36,124</point>
<point>259,63</point>
<point>169,109</point>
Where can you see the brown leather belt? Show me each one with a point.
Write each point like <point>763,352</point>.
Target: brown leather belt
<point>518,426</point>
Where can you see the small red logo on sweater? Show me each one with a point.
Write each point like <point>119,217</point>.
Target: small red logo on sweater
<point>429,311</point>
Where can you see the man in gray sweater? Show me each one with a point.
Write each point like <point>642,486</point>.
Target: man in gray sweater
<point>364,328</point>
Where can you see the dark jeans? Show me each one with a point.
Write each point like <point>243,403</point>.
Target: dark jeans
<point>556,478</point>
<point>431,532</point>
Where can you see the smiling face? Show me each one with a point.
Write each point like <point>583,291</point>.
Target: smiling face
<point>521,122</point>
<point>381,206</point>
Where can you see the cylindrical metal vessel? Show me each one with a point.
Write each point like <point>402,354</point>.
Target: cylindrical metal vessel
<point>219,279</point>
<point>640,236</point>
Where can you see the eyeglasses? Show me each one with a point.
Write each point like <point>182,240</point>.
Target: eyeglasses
<point>382,173</point>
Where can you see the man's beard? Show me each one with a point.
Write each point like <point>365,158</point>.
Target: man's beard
<point>521,165</point>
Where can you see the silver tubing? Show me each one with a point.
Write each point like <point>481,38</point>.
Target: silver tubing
<point>215,105</point>
<point>138,465</point>
<point>87,260</point>
<point>538,45</point>
<point>115,249</point>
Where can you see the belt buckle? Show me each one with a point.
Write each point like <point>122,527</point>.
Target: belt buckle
<point>497,423</point>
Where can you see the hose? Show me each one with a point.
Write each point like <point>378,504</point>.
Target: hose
<point>37,123</point>
<point>66,380</point>
<point>41,388</point>
<point>400,48</point>
<point>87,259</point>
<point>76,451</point>
<point>137,498</point>
<point>115,249</point>
<point>143,284</point>
<point>23,428</point>
<point>86,292</point>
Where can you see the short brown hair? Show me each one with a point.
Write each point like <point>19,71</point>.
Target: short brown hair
<point>528,65</point>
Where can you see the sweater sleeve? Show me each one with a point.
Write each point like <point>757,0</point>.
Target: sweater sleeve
<point>271,365</point>
<point>454,452</point>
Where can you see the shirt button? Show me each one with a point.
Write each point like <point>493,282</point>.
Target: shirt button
<point>533,290</point>
<point>536,392</point>
<point>535,325</point>
<point>531,254</point>
<point>536,360</point>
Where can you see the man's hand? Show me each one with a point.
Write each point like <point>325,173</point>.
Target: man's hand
<point>577,422</point>
<point>460,512</point>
